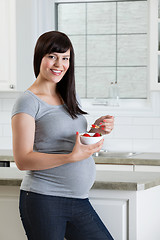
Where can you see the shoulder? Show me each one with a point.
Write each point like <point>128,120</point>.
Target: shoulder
<point>26,103</point>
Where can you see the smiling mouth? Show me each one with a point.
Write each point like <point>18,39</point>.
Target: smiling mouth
<point>56,72</point>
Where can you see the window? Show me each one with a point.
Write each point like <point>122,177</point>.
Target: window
<point>111,45</point>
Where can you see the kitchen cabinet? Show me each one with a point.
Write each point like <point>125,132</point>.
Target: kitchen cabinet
<point>129,215</point>
<point>7,45</point>
<point>11,226</point>
<point>127,202</point>
<point>142,168</point>
<point>131,168</point>
<point>113,212</point>
<point>18,34</point>
<point>138,162</point>
<point>114,167</point>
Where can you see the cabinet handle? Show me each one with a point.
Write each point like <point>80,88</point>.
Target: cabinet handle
<point>11,86</point>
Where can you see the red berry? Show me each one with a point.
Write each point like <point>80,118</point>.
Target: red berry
<point>96,135</point>
<point>93,125</point>
<point>86,135</point>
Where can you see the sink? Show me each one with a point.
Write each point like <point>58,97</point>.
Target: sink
<point>114,154</point>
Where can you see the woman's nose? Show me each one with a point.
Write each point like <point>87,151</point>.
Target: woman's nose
<point>58,62</point>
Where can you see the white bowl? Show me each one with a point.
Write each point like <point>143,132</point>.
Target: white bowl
<point>89,140</point>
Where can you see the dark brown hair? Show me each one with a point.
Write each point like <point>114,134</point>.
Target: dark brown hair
<point>59,42</point>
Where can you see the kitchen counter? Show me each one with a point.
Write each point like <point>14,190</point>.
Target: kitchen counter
<point>130,181</point>
<point>6,155</point>
<point>11,176</point>
<point>152,159</point>
<point>116,196</point>
<point>112,180</point>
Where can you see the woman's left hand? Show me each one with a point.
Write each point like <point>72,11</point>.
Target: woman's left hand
<point>106,124</point>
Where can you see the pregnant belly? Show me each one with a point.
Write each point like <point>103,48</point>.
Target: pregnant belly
<point>73,179</point>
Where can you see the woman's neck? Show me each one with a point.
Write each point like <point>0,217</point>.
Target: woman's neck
<point>40,87</point>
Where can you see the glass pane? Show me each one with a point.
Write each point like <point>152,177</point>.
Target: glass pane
<point>130,78</point>
<point>98,81</point>
<point>71,18</point>
<point>131,17</point>
<point>80,76</point>
<point>79,45</point>
<point>101,18</point>
<point>101,50</point>
<point>132,50</point>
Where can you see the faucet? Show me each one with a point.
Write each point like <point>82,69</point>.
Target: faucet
<point>96,154</point>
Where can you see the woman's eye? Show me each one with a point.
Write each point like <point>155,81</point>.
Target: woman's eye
<point>52,57</point>
<point>66,58</point>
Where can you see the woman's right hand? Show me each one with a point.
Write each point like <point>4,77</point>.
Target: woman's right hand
<point>81,151</point>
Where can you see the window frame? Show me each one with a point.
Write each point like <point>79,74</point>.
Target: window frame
<point>149,107</point>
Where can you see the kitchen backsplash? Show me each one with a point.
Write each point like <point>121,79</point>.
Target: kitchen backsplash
<point>138,134</point>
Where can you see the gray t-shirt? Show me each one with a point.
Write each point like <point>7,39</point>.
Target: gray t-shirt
<point>55,132</point>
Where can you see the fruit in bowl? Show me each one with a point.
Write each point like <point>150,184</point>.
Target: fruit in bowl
<point>90,138</point>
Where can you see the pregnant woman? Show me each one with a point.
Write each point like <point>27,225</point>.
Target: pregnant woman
<point>46,121</point>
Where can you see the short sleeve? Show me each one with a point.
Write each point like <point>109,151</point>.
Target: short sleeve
<point>25,104</point>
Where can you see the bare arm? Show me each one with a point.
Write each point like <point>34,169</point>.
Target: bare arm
<point>23,129</point>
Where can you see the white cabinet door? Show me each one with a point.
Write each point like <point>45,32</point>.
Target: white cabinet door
<point>10,223</point>
<point>18,26</point>
<point>7,45</point>
<point>114,214</point>
<point>21,23</point>
<point>142,168</point>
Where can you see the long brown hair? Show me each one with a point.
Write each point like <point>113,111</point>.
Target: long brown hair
<point>55,41</point>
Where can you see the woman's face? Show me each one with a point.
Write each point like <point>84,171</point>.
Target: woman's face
<point>54,66</point>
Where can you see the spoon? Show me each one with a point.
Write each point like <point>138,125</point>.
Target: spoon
<point>94,126</point>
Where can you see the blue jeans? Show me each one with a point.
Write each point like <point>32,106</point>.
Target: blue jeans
<point>53,218</point>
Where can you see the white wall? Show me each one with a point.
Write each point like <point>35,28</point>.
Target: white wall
<point>140,134</point>
<point>131,133</point>
<point>6,104</point>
